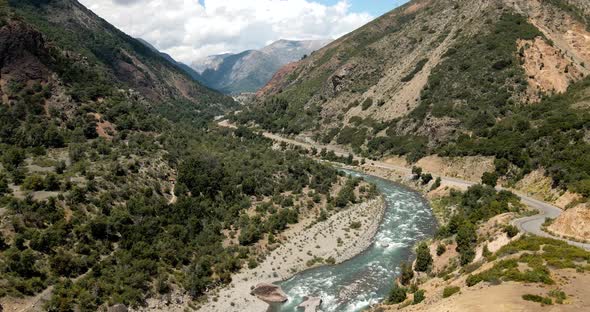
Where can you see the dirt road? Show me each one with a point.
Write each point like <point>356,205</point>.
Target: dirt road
<point>532,224</point>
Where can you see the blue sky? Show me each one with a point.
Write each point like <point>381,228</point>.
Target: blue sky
<point>374,7</point>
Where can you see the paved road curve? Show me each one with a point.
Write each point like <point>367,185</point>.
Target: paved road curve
<point>532,224</point>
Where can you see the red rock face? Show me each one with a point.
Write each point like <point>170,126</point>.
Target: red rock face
<point>272,86</point>
<point>22,52</point>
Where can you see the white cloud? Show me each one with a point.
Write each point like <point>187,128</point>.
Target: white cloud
<point>188,30</point>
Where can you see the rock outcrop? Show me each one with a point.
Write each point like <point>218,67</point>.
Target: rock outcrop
<point>310,304</point>
<point>269,293</point>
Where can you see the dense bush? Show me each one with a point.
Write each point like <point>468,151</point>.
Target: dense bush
<point>511,231</point>
<point>451,290</point>
<point>537,298</point>
<point>407,273</point>
<point>397,295</point>
<point>473,83</point>
<point>440,250</point>
<point>466,241</point>
<point>423,258</point>
<point>555,142</point>
<point>418,296</point>
<point>489,178</point>
<point>416,70</point>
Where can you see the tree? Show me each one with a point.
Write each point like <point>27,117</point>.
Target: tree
<point>397,295</point>
<point>249,234</point>
<point>426,178</point>
<point>466,239</point>
<point>417,172</point>
<point>53,137</point>
<point>4,189</point>
<point>423,258</point>
<point>490,178</point>
<point>202,174</point>
<point>3,244</point>
<point>407,273</point>
<point>419,296</point>
<point>22,262</point>
<point>51,182</point>
<point>76,152</point>
<point>436,184</point>
<point>198,278</point>
<point>511,230</point>
<point>60,167</point>
<point>12,158</point>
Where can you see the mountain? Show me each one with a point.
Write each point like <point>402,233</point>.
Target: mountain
<point>458,86</point>
<point>116,185</point>
<point>250,70</point>
<point>187,69</point>
<point>449,78</point>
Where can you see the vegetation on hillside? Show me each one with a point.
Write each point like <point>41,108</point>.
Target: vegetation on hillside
<point>551,135</point>
<point>539,254</point>
<point>117,196</point>
<point>480,88</point>
<point>479,203</point>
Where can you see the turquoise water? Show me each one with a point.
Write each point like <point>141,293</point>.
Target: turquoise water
<point>367,278</point>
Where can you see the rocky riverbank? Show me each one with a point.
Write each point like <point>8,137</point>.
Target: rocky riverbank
<point>308,244</point>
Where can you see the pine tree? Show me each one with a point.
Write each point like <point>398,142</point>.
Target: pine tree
<point>423,258</point>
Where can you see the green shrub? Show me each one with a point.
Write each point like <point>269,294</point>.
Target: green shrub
<point>417,172</point>
<point>559,295</point>
<point>423,258</point>
<point>489,178</point>
<point>34,183</point>
<point>407,273</point>
<point>511,230</point>
<point>355,225</point>
<point>397,295</point>
<point>368,102</point>
<point>419,66</point>
<point>426,178</point>
<point>451,290</point>
<point>440,249</point>
<point>418,296</point>
<point>537,298</point>
<point>436,184</point>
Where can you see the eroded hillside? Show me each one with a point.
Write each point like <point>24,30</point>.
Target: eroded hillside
<point>504,79</point>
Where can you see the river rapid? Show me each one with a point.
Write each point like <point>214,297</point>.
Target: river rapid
<point>367,278</point>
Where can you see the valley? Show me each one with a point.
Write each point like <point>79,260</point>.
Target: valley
<point>434,159</point>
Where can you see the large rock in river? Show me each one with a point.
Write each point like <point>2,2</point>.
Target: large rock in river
<point>269,293</point>
<point>311,304</point>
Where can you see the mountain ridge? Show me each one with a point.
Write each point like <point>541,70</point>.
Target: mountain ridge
<point>187,69</point>
<point>249,70</point>
<point>448,78</point>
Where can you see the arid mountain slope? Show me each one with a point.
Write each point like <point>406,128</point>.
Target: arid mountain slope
<point>390,60</point>
<point>64,32</point>
<point>497,78</point>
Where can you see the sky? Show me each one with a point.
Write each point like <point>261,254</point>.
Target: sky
<point>192,29</point>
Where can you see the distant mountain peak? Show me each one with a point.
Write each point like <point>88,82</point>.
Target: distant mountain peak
<point>250,70</point>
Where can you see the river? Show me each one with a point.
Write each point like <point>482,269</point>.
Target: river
<point>367,278</point>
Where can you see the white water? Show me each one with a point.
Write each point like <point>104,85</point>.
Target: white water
<point>367,278</point>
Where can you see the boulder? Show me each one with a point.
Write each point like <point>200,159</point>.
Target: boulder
<point>269,293</point>
<point>310,304</point>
